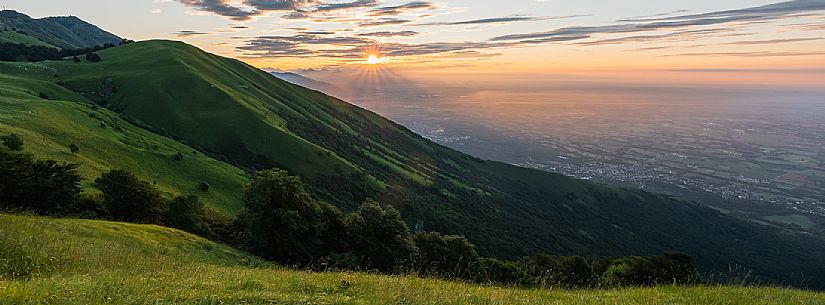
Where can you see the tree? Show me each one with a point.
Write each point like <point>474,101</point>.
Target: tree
<point>43,186</point>
<point>13,142</point>
<point>127,198</point>
<point>203,186</point>
<point>76,59</point>
<point>73,148</point>
<point>280,221</point>
<point>93,57</point>
<point>447,256</point>
<point>188,213</point>
<point>380,238</point>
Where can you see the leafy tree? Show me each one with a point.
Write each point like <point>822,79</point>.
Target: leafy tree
<point>203,186</point>
<point>13,142</point>
<point>73,148</point>
<point>188,213</point>
<point>674,268</point>
<point>93,57</point>
<point>380,238</point>
<point>280,221</point>
<point>447,256</point>
<point>43,186</point>
<point>127,198</point>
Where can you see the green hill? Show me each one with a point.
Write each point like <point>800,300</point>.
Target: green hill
<point>106,141</point>
<point>51,261</point>
<point>345,154</point>
<point>63,32</point>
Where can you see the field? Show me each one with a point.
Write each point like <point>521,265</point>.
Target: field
<point>61,261</point>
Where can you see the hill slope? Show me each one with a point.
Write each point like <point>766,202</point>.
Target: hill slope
<point>9,36</point>
<point>63,32</point>
<point>106,141</point>
<point>345,154</point>
<point>96,262</point>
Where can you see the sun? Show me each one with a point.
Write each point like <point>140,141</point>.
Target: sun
<point>373,59</point>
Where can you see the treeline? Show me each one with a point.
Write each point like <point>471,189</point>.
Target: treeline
<point>22,52</point>
<point>281,222</point>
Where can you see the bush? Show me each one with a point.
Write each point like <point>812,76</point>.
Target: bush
<point>379,237</point>
<point>93,57</point>
<point>42,186</point>
<point>129,199</point>
<point>446,256</point>
<point>203,186</point>
<point>280,221</point>
<point>73,148</point>
<point>13,142</point>
<point>188,213</point>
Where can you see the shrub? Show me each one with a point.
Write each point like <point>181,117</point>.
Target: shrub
<point>446,256</point>
<point>73,148</point>
<point>42,186</point>
<point>13,142</point>
<point>203,186</point>
<point>379,237</point>
<point>129,199</point>
<point>280,221</point>
<point>93,57</point>
<point>188,213</point>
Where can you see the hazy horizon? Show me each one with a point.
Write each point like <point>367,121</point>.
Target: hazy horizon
<point>772,41</point>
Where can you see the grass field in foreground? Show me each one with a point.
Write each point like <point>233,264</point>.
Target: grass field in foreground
<point>97,262</point>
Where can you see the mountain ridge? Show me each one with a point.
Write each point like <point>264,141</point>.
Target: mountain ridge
<point>67,32</point>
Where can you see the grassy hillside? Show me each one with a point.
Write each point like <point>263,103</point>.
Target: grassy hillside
<point>95,262</point>
<point>346,154</point>
<point>63,32</point>
<point>8,36</point>
<point>106,141</point>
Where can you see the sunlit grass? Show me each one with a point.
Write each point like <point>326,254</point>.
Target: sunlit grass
<point>97,262</point>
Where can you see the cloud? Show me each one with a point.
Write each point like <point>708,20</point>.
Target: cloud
<point>252,8</point>
<point>221,8</point>
<point>400,9</point>
<point>688,35</point>
<point>750,54</point>
<point>351,47</point>
<point>186,33</point>
<point>498,20</point>
<point>389,34</point>
<point>383,21</point>
<point>280,5</point>
<point>330,7</point>
<point>760,13</point>
<point>773,41</point>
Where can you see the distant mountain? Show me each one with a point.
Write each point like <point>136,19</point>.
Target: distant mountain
<point>63,32</point>
<point>307,82</point>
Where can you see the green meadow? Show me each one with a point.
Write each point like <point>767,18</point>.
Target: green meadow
<point>66,261</point>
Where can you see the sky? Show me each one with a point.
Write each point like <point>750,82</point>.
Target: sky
<point>786,38</point>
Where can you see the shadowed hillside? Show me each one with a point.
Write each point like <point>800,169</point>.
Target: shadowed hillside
<point>64,32</point>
